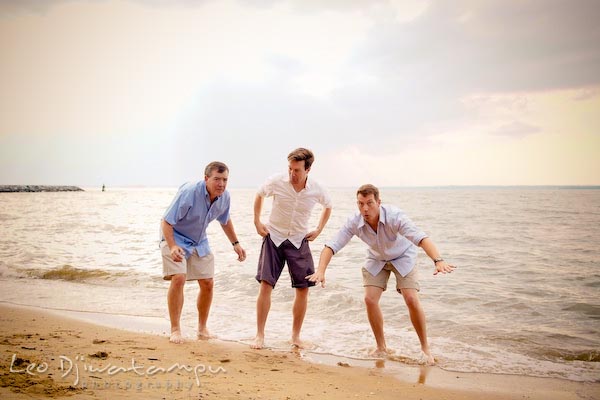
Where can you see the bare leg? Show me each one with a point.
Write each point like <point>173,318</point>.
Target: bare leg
<point>417,317</point>
<point>263,305</point>
<point>299,311</point>
<point>203,303</point>
<point>175,303</point>
<point>372,296</point>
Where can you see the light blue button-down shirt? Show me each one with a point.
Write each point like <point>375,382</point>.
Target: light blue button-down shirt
<point>395,240</point>
<point>190,213</point>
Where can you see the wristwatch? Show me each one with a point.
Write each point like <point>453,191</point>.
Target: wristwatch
<point>436,260</point>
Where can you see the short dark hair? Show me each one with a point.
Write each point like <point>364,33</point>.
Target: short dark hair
<point>302,154</point>
<point>215,165</point>
<point>368,189</point>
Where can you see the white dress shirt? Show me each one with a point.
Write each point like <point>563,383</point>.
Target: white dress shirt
<point>291,210</point>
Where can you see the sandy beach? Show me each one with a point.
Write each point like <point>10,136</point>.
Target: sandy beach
<point>45,355</point>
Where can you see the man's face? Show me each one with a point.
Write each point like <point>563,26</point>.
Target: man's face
<point>368,207</point>
<point>297,172</point>
<point>216,182</point>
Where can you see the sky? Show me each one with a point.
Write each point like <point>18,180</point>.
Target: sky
<point>393,93</point>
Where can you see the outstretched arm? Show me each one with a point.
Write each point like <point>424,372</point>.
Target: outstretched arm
<point>441,266</point>
<point>324,260</point>
<point>310,236</point>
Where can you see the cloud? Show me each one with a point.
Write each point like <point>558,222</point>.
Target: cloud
<point>587,94</point>
<point>117,160</point>
<point>255,124</point>
<point>20,7</point>
<point>516,129</point>
<point>376,83</point>
<point>459,47</point>
<point>12,8</point>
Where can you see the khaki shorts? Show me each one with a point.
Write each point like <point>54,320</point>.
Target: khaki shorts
<point>194,267</point>
<point>410,281</point>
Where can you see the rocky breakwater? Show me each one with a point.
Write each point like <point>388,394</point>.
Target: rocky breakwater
<point>38,188</point>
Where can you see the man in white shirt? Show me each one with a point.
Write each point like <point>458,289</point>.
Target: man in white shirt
<point>392,239</point>
<point>286,237</point>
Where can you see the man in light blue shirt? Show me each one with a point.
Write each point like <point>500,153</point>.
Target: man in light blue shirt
<point>392,239</point>
<point>185,251</point>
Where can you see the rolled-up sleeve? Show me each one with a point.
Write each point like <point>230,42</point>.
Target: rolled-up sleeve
<point>267,189</point>
<point>325,200</point>
<point>408,229</point>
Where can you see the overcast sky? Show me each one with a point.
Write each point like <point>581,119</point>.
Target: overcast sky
<point>395,93</point>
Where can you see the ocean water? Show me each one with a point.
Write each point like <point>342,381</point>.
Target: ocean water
<point>525,298</point>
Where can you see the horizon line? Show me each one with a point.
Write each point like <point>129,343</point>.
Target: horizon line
<point>449,186</point>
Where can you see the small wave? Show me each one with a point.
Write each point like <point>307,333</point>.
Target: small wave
<point>70,273</point>
<point>585,355</point>
<point>589,356</point>
<point>8,217</point>
<point>588,309</point>
<point>594,284</point>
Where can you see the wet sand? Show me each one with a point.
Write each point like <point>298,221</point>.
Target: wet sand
<point>45,355</point>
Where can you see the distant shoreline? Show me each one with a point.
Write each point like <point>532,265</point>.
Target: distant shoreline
<point>38,188</point>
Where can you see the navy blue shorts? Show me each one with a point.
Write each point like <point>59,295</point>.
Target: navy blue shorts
<point>272,259</point>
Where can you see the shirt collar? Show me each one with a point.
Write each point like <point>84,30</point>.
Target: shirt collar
<point>205,194</point>
<point>308,182</point>
<point>382,214</point>
<point>361,221</point>
<point>307,185</point>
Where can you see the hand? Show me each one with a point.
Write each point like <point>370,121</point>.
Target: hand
<point>317,277</point>
<point>310,236</point>
<point>443,267</point>
<point>177,253</point>
<point>261,229</point>
<point>240,252</point>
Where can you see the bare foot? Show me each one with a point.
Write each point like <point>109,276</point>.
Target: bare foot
<point>427,359</point>
<point>259,342</point>
<point>176,337</point>
<point>297,343</point>
<point>203,334</point>
<point>381,352</point>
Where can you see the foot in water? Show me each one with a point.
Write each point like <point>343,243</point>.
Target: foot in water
<point>204,334</point>
<point>381,353</point>
<point>259,342</point>
<point>427,358</point>
<point>296,343</point>
<point>176,337</point>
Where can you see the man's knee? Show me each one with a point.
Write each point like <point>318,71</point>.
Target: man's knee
<point>265,290</point>
<point>206,284</point>
<point>411,298</point>
<point>178,280</point>
<point>371,300</point>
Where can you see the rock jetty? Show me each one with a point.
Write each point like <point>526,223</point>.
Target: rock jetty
<point>38,188</point>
